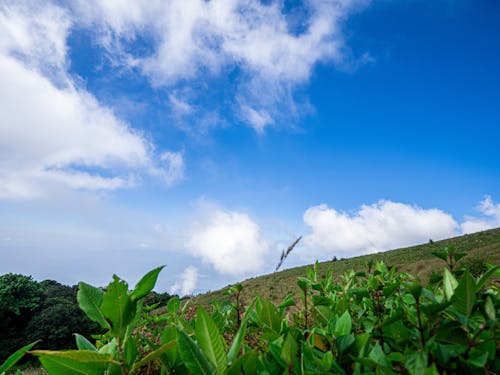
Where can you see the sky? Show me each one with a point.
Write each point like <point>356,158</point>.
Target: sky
<point>208,135</point>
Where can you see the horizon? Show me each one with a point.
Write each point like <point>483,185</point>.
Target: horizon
<point>208,136</point>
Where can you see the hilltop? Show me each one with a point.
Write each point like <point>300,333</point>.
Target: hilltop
<point>417,260</point>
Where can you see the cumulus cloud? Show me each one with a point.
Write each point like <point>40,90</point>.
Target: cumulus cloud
<point>491,217</point>
<point>51,131</point>
<point>275,50</point>
<point>186,283</point>
<point>380,226</point>
<point>230,241</point>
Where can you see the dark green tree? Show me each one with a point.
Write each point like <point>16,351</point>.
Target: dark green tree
<point>20,296</point>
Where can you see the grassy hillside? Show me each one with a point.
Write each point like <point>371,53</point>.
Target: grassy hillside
<point>417,260</point>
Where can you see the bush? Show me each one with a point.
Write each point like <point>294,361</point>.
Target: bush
<point>380,322</point>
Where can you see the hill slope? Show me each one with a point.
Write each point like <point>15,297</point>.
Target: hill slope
<point>417,260</point>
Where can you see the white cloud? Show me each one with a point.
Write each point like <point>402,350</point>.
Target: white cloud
<point>380,226</point>
<point>490,219</point>
<point>51,131</point>
<point>189,40</point>
<point>230,241</point>
<point>36,33</point>
<point>187,282</point>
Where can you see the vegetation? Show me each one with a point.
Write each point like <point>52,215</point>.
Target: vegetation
<point>417,260</point>
<point>379,322</point>
<point>45,311</point>
<point>375,320</point>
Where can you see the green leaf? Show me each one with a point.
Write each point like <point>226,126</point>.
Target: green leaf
<point>90,301</point>
<point>431,370</point>
<point>441,255</point>
<point>343,325</point>
<point>83,344</point>
<point>486,276</point>
<point>15,357</point>
<point>289,349</point>
<point>478,358</point>
<point>118,307</point>
<point>416,362</point>
<point>152,356</point>
<point>236,345</point>
<point>192,356</point>
<point>465,295</point>
<point>268,315</point>
<point>303,283</point>
<point>210,340</point>
<point>146,284</point>
<point>344,342</point>
<point>449,284</point>
<point>74,362</point>
<point>174,305</point>
<point>489,308</point>
<point>377,355</point>
<point>129,351</point>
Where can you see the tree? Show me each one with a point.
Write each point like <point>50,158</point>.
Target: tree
<point>19,294</point>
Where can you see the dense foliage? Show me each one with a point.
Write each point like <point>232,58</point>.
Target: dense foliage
<point>378,322</point>
<point>46,311</point>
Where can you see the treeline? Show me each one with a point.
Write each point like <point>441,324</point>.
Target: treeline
<point>47,311</point>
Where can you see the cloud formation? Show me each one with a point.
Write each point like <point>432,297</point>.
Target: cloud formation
<point>381,226</point>
<point>491,217</point>
<point>274,49</point>
<point>230,241</point>
<point>52,132</point>
<point>186,283</point>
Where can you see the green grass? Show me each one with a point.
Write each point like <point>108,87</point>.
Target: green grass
<point>417,260</point>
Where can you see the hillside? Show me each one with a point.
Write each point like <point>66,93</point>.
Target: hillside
<point>417,260</point>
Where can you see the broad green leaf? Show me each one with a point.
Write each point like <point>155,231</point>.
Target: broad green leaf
<point>146,284</point>
<point>344,342</point>
<point>326,361</point>
<point>287,301</point>
<point>416,362</point>
<point>210,340</point>
<point>129,351</point>
<point>431,370</point>
<point>110,348</point>
<point>449,284</point>
<point>236,345</point>
<point>302,283</point>
<point>15,357</point>
<point>192,356</point>
<point>83,344</point>
<point>118,307</point>
<point>478,358</point>
<point>268,315</point>
<point>74,362</point>
<point>343,325</point>
<point>152,356</point>
<point>90,301</point>
<point>174,305</point>
<point>289,350</point>
<point>486,276</point>
<point>377,355</point>
<point>441,255</point>
<point>489,308</point>
<point>465,294</point>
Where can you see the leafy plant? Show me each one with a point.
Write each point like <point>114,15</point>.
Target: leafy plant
<point>379,322</point>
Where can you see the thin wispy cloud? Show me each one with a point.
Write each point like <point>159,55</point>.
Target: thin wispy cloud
<point>273,52</point>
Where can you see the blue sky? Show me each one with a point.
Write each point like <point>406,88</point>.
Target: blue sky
<point>207,136</point>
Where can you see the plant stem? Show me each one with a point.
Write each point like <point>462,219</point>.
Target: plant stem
<point>420,326</point>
